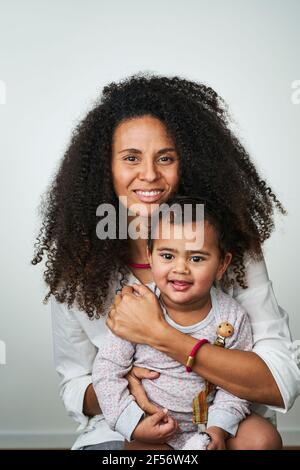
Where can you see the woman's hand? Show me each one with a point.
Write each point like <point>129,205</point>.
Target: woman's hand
<point>136,315</point>
<point>136,389</point>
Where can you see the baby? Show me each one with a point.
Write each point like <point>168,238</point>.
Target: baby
<point>186,274</point>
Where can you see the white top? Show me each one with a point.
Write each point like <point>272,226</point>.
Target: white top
<point>76,340</point>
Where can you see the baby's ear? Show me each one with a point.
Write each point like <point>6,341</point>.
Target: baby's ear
<point>225,262</point>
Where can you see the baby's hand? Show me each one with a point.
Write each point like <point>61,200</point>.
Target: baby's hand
<point>155,429</point>
<point>218,436</point>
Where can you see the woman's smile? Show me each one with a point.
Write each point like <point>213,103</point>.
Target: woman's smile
<point>152,195</point>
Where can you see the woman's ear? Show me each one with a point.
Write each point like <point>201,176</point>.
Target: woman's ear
<point>224,263</point>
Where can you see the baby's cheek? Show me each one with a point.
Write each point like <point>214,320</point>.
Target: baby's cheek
<point>205,282</point>
<point>160,274</point>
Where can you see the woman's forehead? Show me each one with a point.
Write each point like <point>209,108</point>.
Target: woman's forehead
<point>139,130</point>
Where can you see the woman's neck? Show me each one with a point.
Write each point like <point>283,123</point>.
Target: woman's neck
<point>138,254</point>
<point>138,251</point>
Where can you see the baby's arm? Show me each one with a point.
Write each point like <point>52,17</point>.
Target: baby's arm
<point>112,363</point>
<point>228,410</point>
<point>122,413</point>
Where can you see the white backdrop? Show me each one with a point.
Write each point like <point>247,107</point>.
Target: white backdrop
<point>55,58</point>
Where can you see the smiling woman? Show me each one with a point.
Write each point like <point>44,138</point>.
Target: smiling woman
<point>148,139</point>
<point>150,172</point>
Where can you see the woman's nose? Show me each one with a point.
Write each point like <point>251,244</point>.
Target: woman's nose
<point>148,172</point>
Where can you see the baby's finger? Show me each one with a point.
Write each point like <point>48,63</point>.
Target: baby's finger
<point>167,428</point>
<point>174,422</point>
<point>157,417</point>
<point>174,428</point>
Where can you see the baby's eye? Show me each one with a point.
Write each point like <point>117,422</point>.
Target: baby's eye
<point>167,256</point>
<point>197,259</point>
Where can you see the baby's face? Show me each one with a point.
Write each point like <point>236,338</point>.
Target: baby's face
<point>184,269</point>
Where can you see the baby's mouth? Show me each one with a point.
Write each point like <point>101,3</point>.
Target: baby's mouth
<point>180,285</point>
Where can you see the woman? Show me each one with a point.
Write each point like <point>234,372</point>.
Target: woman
<point>148,138</point>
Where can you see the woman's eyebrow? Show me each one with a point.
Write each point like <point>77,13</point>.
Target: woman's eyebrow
<point>159,152</point>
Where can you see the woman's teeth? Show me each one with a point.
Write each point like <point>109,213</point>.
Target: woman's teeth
<point>149,196</point>
<point>148,193</point>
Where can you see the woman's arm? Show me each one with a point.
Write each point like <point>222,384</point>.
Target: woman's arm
<point>249,375</point>
<point>241,373</point>
<point>74,355</point>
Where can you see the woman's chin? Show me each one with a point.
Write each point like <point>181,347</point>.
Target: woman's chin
<point>144,210</point>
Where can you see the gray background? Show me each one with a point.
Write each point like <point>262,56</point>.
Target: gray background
<point>55,58</point>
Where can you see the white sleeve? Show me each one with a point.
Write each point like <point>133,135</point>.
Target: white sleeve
<point>271,334</point>
<point>74,355</point>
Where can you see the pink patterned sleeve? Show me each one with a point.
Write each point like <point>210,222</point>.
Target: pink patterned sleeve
<point>112,363</point>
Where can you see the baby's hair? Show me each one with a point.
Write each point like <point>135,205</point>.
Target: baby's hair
<point>174,209</point>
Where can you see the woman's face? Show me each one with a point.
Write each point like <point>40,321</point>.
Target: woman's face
<point>145,164</point>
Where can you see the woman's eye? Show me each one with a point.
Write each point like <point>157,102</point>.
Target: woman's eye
<point>163,160</point>
<point>130,158</point>
<point>167,256</point>
<point>166,159</point>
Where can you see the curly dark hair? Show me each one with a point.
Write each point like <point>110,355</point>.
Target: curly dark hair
<point>213,164</point>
